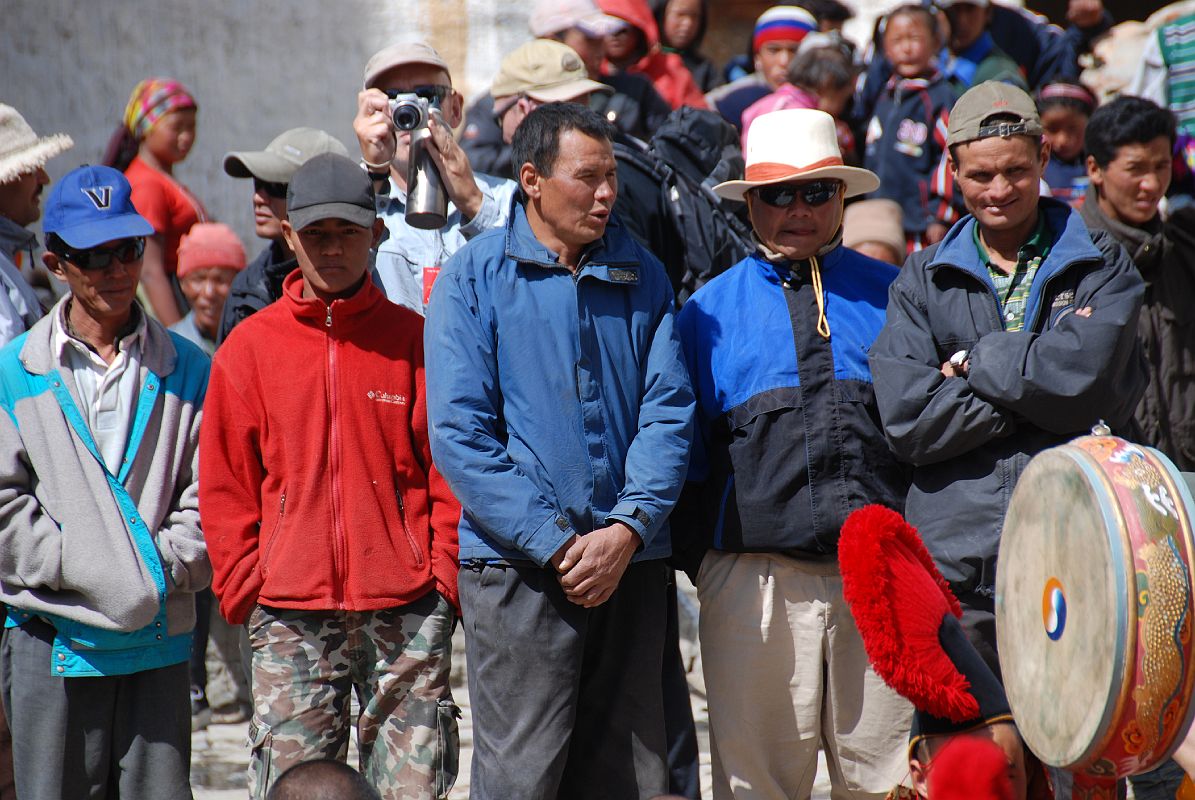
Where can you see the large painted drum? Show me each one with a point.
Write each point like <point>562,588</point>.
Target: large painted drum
<point>1094,608</point>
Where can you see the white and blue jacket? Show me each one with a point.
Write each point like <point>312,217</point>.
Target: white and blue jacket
<point>111,561</point>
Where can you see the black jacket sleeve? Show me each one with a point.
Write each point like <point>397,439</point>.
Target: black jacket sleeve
<point>927,417</point>
<point>1081,370</point>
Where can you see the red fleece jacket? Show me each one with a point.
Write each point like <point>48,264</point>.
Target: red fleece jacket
<point>317,489</point>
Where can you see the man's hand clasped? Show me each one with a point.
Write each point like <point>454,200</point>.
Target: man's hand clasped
<point>591,566</point>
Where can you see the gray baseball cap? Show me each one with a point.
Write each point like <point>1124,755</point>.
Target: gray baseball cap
<point>969,119</point>
<point>330,186</point>
<point>289,151</point>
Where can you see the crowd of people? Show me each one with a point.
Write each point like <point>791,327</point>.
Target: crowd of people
<point>794,327</point>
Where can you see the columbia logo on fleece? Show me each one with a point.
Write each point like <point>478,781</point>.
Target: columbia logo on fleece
<point>386,397</point>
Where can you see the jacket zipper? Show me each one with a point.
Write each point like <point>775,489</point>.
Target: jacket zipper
<point>402,516</point>
<point>265,557</point>
<point>334,468</point>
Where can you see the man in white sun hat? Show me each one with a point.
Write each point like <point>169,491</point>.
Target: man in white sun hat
<point>23,157</point>
<point>787,444</point>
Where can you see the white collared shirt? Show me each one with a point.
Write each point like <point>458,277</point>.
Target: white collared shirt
<point>107,392</point>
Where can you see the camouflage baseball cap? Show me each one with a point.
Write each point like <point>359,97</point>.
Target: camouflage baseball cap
<point>969,119</point>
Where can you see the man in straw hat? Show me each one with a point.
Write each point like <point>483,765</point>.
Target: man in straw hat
<point>23,157</point>
<point>1014,333</point>
<point>787,444</point>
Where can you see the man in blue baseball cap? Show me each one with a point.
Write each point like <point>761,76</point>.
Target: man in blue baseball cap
<point>100,546</point>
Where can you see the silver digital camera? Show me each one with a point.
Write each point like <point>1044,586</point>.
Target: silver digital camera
<point>410,111</point>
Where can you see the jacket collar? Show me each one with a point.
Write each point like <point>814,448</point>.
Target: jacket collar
<point>615,248</point>
<point>319,312</point>
<point>13,237</point>
<point>38,356</point>
<point>1072,242</point>
<point>1145,244</point>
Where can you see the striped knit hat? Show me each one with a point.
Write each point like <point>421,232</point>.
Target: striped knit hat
<point>151,100</point>
<point>782,23</point>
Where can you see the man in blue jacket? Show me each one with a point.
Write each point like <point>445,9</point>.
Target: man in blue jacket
<point>561,416</point>
<point>1016,332</point>
<point>788,443</point>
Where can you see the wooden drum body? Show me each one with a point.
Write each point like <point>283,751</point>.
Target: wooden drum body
<point>1094,607</point>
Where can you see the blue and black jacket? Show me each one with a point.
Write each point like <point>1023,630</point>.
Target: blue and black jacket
<point>788,438</point>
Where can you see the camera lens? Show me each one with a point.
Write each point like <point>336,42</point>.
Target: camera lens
<point>407,115</point>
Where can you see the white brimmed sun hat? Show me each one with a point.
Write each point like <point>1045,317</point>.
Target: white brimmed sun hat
<point>796,144</point>
<point>22,150</point>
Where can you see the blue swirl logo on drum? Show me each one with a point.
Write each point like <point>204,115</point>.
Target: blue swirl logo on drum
<point>1053,609</point>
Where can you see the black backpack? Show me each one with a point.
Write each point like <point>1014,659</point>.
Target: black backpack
<point>690,153</point>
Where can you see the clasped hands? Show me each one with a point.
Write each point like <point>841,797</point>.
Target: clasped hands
<point>591,566</point>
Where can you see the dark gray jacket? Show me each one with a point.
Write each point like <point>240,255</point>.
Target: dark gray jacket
<point>970,438</point>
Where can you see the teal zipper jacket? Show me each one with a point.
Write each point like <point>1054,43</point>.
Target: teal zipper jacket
<point>112,561</point>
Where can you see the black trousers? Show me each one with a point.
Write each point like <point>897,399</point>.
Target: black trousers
<point>566,701</point>
<point>123,736</point>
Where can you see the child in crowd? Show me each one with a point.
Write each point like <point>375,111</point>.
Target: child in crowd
<point>822,76</point>
<point>635,48</point>
<point>1065,107</point>
<point>906,135</point>
<point>682,26</point>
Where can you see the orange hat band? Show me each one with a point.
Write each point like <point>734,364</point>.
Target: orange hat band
<point>771,171</point>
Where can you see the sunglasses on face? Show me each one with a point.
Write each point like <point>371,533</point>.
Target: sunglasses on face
<point>127,251</point>
<point>782,195</point>
<point>434,94</point>
<point>274,190</point>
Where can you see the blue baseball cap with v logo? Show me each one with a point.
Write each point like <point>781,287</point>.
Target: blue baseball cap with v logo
<point>93,205</point>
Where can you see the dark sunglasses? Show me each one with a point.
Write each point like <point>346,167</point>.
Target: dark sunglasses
<point>274,190</point>
<point>127,251</point>
<point>782,195</point>
<point>432,93</point>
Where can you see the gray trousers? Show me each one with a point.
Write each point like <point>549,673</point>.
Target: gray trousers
<point>126,736</point>
<point>566,701</point>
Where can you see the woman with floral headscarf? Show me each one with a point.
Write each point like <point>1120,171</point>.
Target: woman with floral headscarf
<point>157,132</point>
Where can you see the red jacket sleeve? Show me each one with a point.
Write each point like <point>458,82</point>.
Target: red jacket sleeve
<point>230,479</point>
<point>444,510</point>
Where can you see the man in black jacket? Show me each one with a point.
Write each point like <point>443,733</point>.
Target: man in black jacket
<point>1014,333</point>
<point>1129,143</point>
<point>271,169</point>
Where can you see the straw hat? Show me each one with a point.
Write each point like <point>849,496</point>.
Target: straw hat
<point>796,144</point>
<point>22,150</point>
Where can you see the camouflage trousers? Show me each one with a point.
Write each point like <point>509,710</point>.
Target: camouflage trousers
<point>305,663</point>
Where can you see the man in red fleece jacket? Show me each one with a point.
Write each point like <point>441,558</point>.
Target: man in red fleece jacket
<point>329,528</point>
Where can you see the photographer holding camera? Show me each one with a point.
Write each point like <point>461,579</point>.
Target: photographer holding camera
<point>409,83</point>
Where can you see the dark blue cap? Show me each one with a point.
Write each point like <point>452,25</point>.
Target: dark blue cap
<point>93,205</point>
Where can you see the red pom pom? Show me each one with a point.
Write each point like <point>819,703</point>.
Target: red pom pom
<point>969,768</point>
<point>898,599</point>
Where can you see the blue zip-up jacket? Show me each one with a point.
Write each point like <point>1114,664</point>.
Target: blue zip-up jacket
<point>788,438</point>
<point>111,560</point>
<point>905,141</point>
<point>558,403</point>
<point>969,439</point>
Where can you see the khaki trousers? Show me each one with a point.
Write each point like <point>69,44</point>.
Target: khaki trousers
<point>786,674</point>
